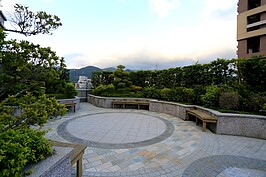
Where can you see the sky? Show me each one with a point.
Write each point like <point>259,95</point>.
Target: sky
<point>139,34</point>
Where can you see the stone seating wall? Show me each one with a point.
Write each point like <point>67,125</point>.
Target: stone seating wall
<point>71,100</point>
<point>228,124</point>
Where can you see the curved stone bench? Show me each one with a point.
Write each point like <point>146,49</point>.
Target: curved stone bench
<point>227,123</point>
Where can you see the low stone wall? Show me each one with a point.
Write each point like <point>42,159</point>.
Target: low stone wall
<point>228,124</point>
<point>71,100</point>
<point>242,125</point>
<point>106,102</point>
<point>57,165</point>
<point>174,109</point>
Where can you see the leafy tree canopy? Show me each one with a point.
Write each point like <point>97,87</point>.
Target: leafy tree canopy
<point>29,23</point>
<point>27,73</point>
<point>121,67</point>
<point>27,67</point>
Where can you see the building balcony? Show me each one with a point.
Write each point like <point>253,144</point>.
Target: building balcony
<point>256,24</point>
<point>251,23</point>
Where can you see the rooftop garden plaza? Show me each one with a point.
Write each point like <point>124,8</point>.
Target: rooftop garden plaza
<point>34,78</point>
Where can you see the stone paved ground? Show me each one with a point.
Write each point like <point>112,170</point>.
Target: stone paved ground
<point>155,144</point>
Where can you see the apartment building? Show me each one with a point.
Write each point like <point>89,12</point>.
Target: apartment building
<point>251,28</point>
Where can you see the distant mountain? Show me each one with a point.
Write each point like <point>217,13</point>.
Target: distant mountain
<point>87,71</point>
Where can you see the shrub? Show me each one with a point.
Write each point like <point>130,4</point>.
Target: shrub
<point>229,100</point>
<point>19,147</point>
<point>103,89</point>
<point>121,85</point>
<point>211,97</point>
<point>56,95</point>
<point>198,91</point>
<point>66,90</point>
<point>178,96</point>
<point>33,111</point>
<point>136,88</point>
<point>253,72</point>
<point>70,91</point>
<point>188,95</point>
<point>166,94</point>
<point>151,92</point>
<point>264,108</point>
<point>253,102</point>
<point>19,143</point>
<point>184,95</point>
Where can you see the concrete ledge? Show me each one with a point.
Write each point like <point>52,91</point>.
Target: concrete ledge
<point>246,125</point>
<point>55,165</point>
<point>106,102</point>
<point>71,100</point>
<point>171,108</point>
<point>227,124</point>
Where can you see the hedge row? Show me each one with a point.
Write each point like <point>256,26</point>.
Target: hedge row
<point>251,72</point>
<point>235,84</point>
<point>220,97</point>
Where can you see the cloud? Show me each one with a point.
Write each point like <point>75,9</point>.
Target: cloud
<point>212,35</point>
<point>173,47</point>
<point>180,45</point>
<point>214,8</point>
<point>215,5</point>
<point>162,7</point>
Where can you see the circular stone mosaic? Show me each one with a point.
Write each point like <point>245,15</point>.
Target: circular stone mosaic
<point>116,130</point>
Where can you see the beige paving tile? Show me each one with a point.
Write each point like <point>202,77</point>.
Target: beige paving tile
<point>174,155</point>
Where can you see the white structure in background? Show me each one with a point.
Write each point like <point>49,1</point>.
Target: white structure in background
<point>83,86</point>
<point>83,83</point>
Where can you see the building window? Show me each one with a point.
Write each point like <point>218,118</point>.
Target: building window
<point>253,45</point>
<point>253,19</point>
<point>253,4</point>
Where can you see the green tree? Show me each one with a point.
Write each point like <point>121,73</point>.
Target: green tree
<point>27,72</point>
<point>223,71</point>
<point>121,67</point>
<point>121,78</point>
<point>28,67</point>
<point>253,73</point>
<point>29,23</point>
<point>102,77</point>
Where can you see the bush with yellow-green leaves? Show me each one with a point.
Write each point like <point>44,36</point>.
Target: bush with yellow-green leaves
<point>20,144</point>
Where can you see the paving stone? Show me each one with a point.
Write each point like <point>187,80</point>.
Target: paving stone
<point>175,149</point>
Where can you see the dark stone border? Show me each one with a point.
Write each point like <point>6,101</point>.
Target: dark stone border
<point>214,165</point>
<point>62,131</point>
